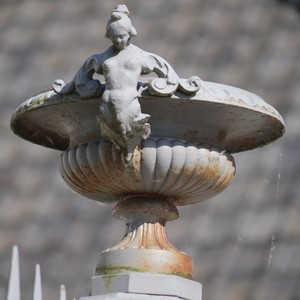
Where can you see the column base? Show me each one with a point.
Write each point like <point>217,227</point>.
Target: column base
<point>144,286</point>
<point>145,261</point>
<point>130,296</point>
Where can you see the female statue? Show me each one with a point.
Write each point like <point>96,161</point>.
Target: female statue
<point>121,119</point>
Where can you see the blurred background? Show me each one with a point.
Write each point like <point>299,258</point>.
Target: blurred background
<point>245,243</point>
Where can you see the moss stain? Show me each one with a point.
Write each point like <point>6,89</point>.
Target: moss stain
<point>107,282</point>
<point>112,271</point>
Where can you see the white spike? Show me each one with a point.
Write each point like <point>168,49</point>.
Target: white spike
<point>14,277</point>
<point>37,292</point>
<point>62,295</point>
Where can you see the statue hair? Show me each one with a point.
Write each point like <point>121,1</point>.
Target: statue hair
<point>120,20</point>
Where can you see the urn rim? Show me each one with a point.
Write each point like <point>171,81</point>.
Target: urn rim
<point>218,115</point>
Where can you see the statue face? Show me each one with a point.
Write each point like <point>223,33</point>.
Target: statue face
<point>120,40</point>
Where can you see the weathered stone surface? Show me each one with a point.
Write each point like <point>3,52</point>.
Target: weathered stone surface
<point>144,284</point>
<point>130,296</point>
<point>253,45</point>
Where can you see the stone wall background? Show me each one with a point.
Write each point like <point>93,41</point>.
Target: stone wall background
<point>246,241</point>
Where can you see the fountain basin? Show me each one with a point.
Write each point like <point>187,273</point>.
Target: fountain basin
<point>220,116</point>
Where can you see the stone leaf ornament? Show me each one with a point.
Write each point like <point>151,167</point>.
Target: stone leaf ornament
<point>122,64</point>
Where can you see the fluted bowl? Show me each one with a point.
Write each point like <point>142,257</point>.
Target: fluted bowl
<point>181,171</point>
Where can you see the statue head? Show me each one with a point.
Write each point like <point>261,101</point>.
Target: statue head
<point>120,25</point>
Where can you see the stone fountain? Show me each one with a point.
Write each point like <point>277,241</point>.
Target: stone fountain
<point>144,148</point>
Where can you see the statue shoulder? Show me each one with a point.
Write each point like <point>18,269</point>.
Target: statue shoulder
<point>145,59</point>
<point>96,60</point>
